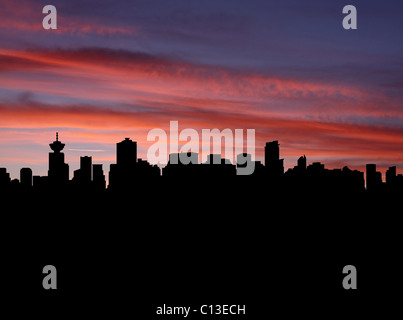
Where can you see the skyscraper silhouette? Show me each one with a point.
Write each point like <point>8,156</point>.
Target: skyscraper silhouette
<point>86,168</point>
<point>126,153</point>
<point>98,177</point>
<point>4,177</point>
<point>58,170</point>
<point>301,163</point>
<point>26,177</point>
<point>273,163</point>
<point>122,174</point>
<point>83,176</point>
<point>391,175</point>
<point>374,178</point>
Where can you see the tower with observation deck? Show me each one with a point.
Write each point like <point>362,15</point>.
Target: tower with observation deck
<point>58,170</point>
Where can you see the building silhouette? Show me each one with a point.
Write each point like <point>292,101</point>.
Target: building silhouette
<point>86,168</point>
<point>58,170</point>
<point>122,174</point>
<point>4,178</point>
<point>128,172</point>
<point>391,175</point>
<point>83,176</point>
<point>301,165</point>
<point>374,178</point>
<point>26,177</point>
<point>274,165</point>
<point>98,177</point>
<point>126,153</point>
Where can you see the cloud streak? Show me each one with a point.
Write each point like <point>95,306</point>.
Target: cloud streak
<point>138,76</point>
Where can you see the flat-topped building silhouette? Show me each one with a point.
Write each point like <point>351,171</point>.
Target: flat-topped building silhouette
<point>126,153</point>
<point>4,177</point>
<point>121,174</point>
<point>84,174</point>
<point>26,177</point>
<point>86,168</point>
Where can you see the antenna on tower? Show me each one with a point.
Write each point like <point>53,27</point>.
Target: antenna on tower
<point>57,136</point>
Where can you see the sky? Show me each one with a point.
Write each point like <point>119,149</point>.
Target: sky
<point>116,69</point>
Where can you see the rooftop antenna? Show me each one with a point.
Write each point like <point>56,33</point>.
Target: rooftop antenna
<point>57,136</point>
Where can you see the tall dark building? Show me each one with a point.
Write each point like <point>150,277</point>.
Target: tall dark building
<point>58,170</point>
<point>4,177</point>
<point>85,167</point>
<point>374,178</point>
<point>98,179</point>
<point>26,177</point>
<point>391,175</point>
<point>301,163</point>
<point>126,153</point>
<point>274,165</point>
<point>123,174</point>
<point>83,175</point>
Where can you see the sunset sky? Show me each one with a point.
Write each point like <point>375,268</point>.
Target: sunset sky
<point>116,69</point>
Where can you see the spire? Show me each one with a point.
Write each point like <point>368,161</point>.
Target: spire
<point>57,146</point>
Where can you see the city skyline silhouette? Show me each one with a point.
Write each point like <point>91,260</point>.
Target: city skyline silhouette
<point>130,169</point>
